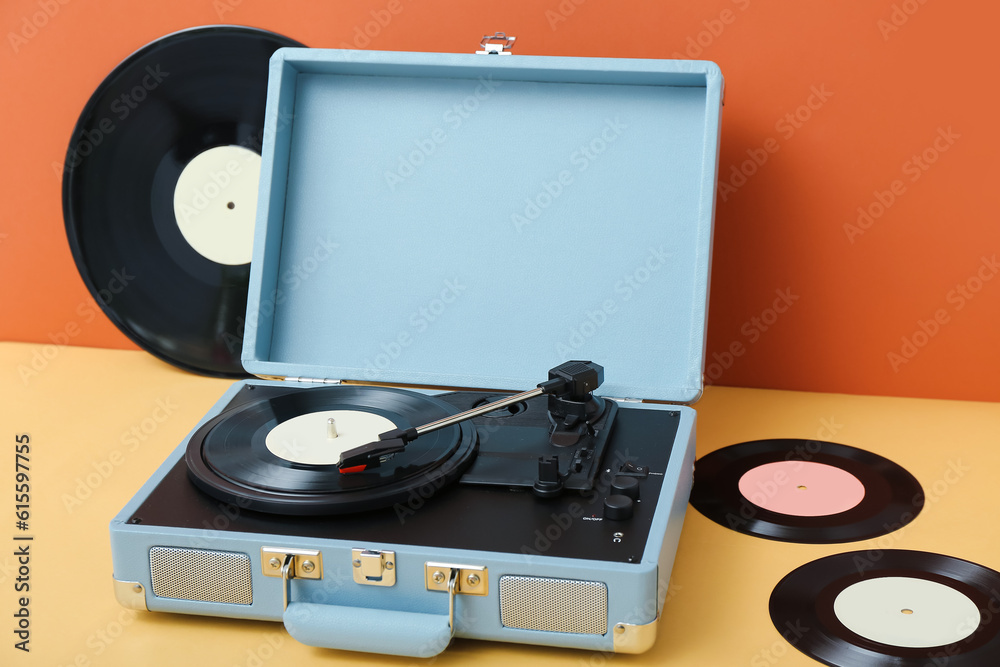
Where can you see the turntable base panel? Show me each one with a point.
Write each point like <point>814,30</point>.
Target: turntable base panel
<point>482,518</point>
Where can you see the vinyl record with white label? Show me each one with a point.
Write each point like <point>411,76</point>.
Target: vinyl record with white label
<point>891,608</point>
<point>807,491</point>
<point>160,192</point>
<point>279,454</point>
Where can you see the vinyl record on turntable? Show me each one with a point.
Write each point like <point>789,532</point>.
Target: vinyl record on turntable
<point>806,491</point>
<point>279,453</point>
<point>891,608</point>
<point>160,192</point>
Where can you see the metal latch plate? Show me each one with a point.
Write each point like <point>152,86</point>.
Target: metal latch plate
<point>471,579</point>
<point>374,568</point>
<point>306,563</point>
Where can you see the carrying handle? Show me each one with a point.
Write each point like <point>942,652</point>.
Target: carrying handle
<point>405,633</point>
<point>412,634</point>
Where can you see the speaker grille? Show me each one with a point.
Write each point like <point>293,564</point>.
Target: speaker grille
<point>554,605</point>
<point>201,575</point>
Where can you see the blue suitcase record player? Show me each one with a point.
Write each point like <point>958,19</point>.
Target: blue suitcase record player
<point>436,232</point>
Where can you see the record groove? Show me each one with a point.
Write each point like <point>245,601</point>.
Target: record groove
<point>802,609</point>
<point>228,458</point>
<point>892,496</point>
<point>174,99</point>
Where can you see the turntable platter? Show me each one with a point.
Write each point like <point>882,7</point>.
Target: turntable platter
<point>250,454</point>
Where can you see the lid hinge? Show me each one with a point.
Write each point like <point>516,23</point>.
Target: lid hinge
<point>312,380</point>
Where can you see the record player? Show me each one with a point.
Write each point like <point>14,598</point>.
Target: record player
<point>435,234</point>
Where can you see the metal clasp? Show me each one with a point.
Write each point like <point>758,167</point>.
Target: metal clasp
<point>497,44</point>
<point>455,580</point>
<point>290,564</point>
<point>374,568</point>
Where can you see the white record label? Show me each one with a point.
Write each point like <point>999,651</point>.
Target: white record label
<point>306,438</point>
<point>907,612</point>
<point>215,203</point>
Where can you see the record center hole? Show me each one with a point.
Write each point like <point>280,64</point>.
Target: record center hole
<point>906,611</point>
<point>231,206</point>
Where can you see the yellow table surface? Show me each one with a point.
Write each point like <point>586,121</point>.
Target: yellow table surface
<point>118,414</point>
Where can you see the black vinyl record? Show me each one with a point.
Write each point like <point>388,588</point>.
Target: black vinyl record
<point>167,103</point>
<point>229,459</point>
<point>892,497</point>
<point>812,609</point>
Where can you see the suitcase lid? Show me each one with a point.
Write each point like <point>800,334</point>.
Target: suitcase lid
<point>472,221</point>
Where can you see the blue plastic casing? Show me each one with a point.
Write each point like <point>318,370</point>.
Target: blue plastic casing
<point>471,221</point>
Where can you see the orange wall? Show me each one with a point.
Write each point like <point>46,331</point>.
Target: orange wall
<point>832,108</point>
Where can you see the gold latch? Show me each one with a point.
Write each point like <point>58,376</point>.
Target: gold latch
<point>374,568</point>
<point>469,579</point>
<point>291,564</point>
<point>456,580</point>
